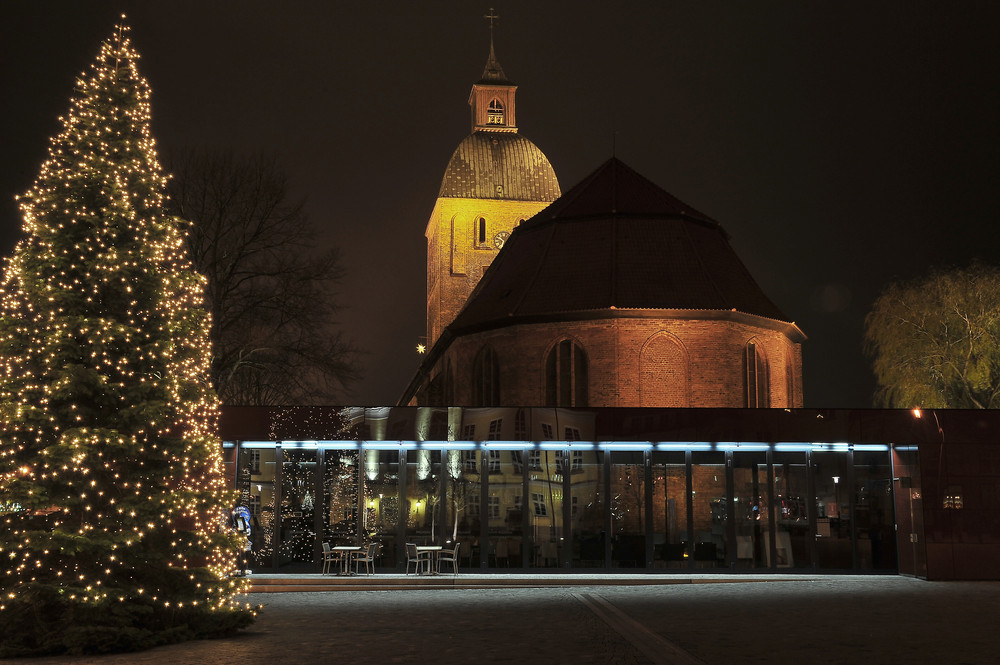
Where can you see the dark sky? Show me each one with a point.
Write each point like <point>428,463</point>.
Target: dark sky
<point>841,144</point>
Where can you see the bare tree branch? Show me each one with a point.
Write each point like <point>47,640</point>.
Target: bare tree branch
<point>271,292</point>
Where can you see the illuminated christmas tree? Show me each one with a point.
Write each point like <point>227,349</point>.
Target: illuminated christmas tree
<point>111,492</point>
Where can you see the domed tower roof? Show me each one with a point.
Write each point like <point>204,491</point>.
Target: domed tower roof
<point>616,241</point>
<point>495,162</point>
<point>502,165</point>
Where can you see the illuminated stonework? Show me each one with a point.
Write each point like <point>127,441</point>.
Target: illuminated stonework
<point>616,295</point>
<point>495,179</point>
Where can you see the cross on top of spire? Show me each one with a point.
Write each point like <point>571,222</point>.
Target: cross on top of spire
<point>493,71</point>
<point>491,17</point>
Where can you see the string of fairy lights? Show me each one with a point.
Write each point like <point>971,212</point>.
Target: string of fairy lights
<point>111,484</point>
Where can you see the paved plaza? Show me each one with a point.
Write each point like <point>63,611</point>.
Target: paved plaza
<point>720,621</point>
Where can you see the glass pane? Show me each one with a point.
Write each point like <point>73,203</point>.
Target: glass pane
<point>340,480</point>
<point>628,491</point>
<point>504,510</point>
<point>424,485</point>
<point>833,514</point>
<point>462,505</point>
<point>750,508</point>
<point>792,534</point>
<point>670,536</point>
<point>873,511</point>
<point>708,496</point>
<point>587,497</point>
<point>256,492</point>
<point>296,551</point>
<point>544,505</point>
<point>381,502</point>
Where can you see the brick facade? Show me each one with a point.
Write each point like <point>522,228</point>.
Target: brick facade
<point>637,361</point>
<point>456,259</point>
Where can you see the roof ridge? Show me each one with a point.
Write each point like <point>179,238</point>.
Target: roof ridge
<point>538,269</point>
<point>701,264</point>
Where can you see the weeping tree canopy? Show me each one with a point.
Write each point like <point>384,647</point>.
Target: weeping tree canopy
<point>935,341</point>
<point>271,289</point>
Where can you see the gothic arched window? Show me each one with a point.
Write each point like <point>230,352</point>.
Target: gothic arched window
<point>486,378</point>
<point>757,387</point>
<point>494,115</point>
<point>566,375</point>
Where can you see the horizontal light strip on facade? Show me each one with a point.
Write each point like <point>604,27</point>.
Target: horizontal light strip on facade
<point>633,446</point>
<point>683,446</point>
<point>565,445</point>
<point>301,445</point>
<point>448,445</point>
<point>388,445</point>
<point>834,447</point>
<point>341,445</point>
<point>437,445</point>
<point>793,447</point>
<point>259,444</point>
<point>732,445</point>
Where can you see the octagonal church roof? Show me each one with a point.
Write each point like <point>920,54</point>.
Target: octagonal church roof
<point>615,241</point>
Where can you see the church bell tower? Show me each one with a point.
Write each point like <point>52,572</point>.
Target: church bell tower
<point>492,99</point>
<point>496,179</point>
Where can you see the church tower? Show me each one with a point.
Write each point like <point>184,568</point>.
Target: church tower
<point>495,180</point>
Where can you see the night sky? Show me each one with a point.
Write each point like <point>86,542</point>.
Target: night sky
<point>841,144</point>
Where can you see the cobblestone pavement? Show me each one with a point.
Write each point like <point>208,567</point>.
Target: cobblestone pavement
<point>835,620</point>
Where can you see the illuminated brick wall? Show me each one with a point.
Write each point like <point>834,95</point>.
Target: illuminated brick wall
<point>638,361</point>
<point>456,259</point>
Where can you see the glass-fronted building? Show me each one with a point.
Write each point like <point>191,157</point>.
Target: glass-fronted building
<point>660,490</point>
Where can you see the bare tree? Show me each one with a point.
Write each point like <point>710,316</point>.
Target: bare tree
<point>271,292</point>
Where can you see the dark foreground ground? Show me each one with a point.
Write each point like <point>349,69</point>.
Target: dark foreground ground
<point>831,621</point>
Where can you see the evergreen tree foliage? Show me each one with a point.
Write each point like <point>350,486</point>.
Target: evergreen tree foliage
<point>935,341</point>
<point>111,491</point>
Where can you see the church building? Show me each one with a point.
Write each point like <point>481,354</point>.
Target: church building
<point>543,309</point>
<point>614,294</point>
